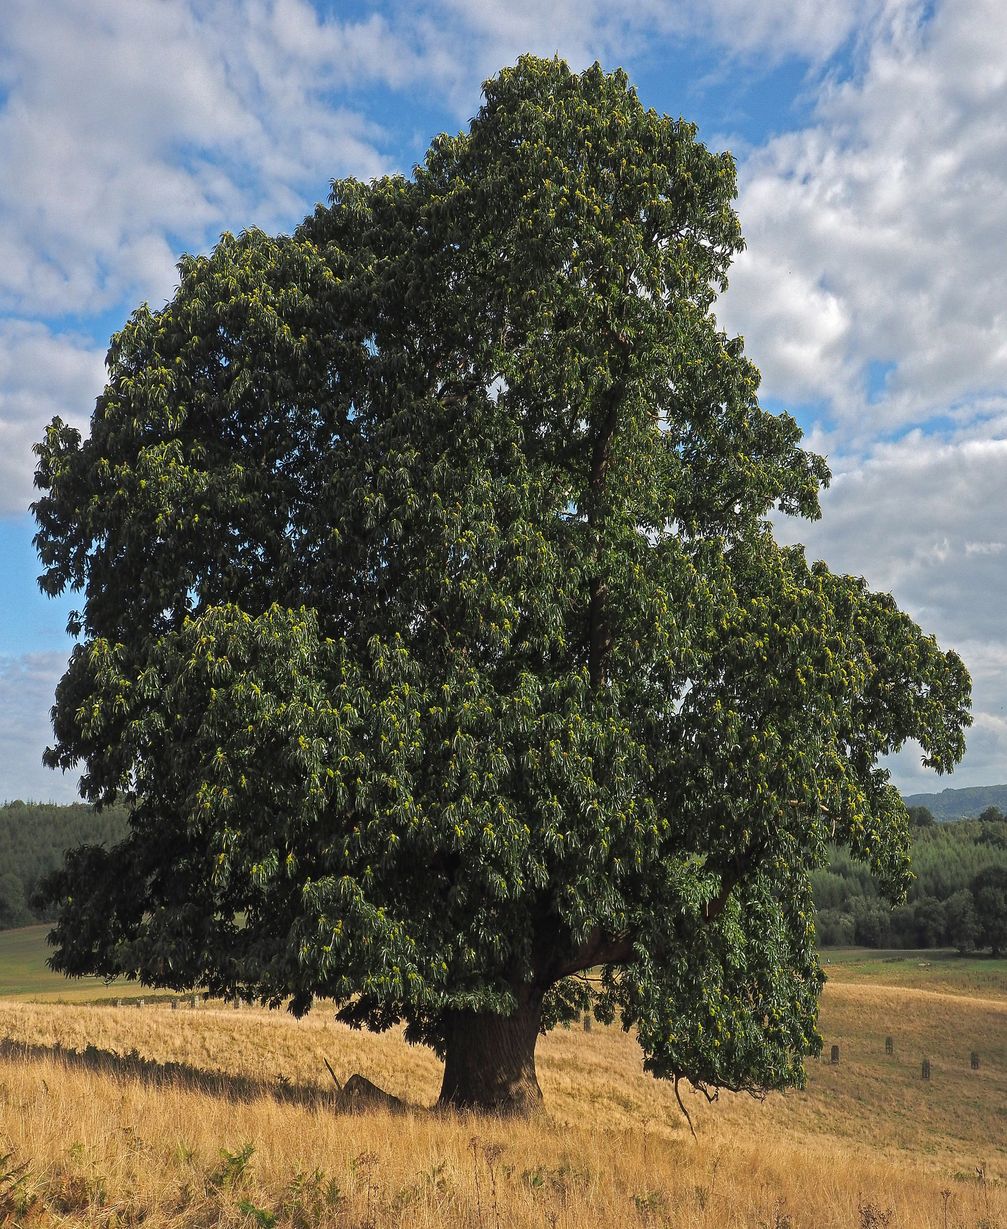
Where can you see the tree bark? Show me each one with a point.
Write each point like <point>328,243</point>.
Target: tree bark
<point>490,1061</point>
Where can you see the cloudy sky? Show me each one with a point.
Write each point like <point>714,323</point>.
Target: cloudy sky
<point>871,137</point>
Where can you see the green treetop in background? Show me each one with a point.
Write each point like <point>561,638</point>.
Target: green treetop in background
<point>433,624</point>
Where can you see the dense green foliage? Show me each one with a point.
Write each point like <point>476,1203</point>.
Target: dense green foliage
<point>949,902</point>
<point>433,622</point>
<point>33,839</point>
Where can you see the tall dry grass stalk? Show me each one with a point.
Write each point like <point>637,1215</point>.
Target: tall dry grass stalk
<point>176,1118</point>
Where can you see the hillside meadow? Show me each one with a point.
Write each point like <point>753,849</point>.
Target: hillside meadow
<point>115,1116</point>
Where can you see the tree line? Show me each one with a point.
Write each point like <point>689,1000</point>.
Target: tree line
<point>964,803</point>
<point>33,839</point>
<point>958,897</point>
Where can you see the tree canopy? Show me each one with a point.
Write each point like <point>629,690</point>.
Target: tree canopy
<point>989,891</point>
<point>433,625</point>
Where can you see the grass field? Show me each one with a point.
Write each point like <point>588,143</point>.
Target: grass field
<point>24,975</point>
<point>120,1116</point>
<point>23,972</point>
<point>943,970</point>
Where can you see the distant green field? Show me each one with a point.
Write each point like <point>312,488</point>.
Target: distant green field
<point>24,974</point>
<point>927,969</point>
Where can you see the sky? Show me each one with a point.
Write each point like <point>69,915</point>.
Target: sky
<point>871,141</point>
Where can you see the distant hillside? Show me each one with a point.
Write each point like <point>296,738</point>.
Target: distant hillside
<point>959,803</point>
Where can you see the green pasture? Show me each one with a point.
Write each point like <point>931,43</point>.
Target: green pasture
<point>941,969</point>
<point>24,974</point>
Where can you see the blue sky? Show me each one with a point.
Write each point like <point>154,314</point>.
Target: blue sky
<point>871,138</point>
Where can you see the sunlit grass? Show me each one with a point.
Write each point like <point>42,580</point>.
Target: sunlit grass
<point>24,975</point>
<point>214,1116</point>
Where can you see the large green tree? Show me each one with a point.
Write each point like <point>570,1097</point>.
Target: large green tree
<point>433,624</point>
<point>989,891</point>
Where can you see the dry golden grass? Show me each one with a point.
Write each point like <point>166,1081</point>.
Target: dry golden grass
<point>223,1117</point>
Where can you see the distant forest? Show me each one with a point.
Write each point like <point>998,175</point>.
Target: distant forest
<point>33,839</point>
<point>958,899</point>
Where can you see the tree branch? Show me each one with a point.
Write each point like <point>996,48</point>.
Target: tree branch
<point>745,861</point>
<point>598,948</point>
<point>599,630</point>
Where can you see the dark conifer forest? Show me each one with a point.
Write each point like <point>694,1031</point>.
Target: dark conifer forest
<point>33,838</point>
<point>958,897</point>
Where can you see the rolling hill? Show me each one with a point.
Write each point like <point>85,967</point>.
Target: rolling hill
<point>959,803</point>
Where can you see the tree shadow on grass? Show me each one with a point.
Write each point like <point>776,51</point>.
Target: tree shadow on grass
<point>133,1066</point>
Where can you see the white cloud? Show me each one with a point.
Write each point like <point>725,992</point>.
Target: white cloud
<point>774,29</point>
<point>924,520</point>
<point>131,132</point>
<point>878,235</point>
<point>41,375</point>
<point>128,129</point>
<point>26,693</point>
<point>585,30</point>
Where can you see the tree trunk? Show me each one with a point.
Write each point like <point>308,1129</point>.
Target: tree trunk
<point>490,1061</point>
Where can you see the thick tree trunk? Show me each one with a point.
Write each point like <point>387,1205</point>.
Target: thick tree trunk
<point>490,1061</point>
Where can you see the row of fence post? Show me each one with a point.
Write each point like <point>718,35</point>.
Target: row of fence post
<point>834,1056</point>
<point>924,1066</point>
<point>191,1001</point>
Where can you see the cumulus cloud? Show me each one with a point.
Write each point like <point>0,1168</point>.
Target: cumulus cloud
<point>872,295</point>
<point>877,236</point>
<point>585,30</point>
<point>773,30</point>
<point>127,130</point>
<point>923,520</point>
<point>41,375</point>
<point>27,684</point>
<point>132,132</point>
